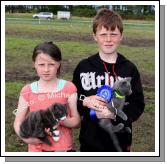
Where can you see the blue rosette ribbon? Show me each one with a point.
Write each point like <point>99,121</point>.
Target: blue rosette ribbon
<point>106,92</point>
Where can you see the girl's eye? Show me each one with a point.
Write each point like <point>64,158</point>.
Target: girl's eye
<point>41,64</point>
<point>52,64</point>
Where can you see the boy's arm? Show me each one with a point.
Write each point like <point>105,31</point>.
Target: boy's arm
<point>83,103</point>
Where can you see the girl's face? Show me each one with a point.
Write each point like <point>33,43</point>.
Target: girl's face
<point>107,40</point>
<point>46,67</point>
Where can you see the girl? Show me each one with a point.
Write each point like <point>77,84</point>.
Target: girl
<point>44,92</point>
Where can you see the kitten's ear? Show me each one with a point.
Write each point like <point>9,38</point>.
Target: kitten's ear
<point>128,79</point>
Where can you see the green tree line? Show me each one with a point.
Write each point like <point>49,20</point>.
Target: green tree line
<point>126,11</point>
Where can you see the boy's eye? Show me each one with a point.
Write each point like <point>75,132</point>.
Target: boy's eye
<point>103,34</point>
<point>40,64</point>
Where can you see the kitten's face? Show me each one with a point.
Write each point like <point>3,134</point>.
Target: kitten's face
<point>123,86</point>
<point>54,114</point>
<point>59,111</point>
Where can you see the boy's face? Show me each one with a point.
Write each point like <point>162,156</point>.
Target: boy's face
<point>108,40</point>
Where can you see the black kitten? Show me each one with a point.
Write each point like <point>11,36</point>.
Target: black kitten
<point>35,123</point>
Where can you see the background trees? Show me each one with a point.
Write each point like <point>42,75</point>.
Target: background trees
<point>126,11</point>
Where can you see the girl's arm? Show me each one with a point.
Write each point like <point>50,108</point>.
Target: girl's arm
<point>20,116</point>
<point>74,120</point>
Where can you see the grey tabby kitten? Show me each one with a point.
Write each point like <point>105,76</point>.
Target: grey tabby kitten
<point>35,123</point>
<point>121,88</point>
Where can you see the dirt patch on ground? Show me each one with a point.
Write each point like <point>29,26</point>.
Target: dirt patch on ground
<point>68,66</point>
<point>144,133</point>
<point>19,76</point>
<point>61,36</point>
<point>147,80</point>
<point>138,42</point>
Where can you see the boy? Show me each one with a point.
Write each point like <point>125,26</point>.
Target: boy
<point>104,68</point>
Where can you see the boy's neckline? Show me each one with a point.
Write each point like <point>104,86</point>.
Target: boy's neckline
<point>108,58</point>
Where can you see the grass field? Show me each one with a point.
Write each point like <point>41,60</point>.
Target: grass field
<point>75,40</point>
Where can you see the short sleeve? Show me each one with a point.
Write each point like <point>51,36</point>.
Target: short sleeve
<point>70,88</point>
<point>25,92</point>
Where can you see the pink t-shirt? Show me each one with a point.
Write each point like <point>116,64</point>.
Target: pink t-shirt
<point>38,101</point>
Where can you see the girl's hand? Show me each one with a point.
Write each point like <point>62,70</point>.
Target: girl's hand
<point>33,141</point>
<point>47,130</point>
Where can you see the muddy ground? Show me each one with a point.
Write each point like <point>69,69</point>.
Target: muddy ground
<point>148,81</point>
<point>68,66</point>
<point>66,36</point>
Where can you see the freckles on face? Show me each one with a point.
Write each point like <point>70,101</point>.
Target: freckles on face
<point>108,40</point>
<point>103,35</point>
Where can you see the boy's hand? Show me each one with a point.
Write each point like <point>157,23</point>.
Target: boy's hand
<point>94,102</point>
<point>105,113</point>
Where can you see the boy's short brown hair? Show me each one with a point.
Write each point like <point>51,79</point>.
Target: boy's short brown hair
<point>108,19</point>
